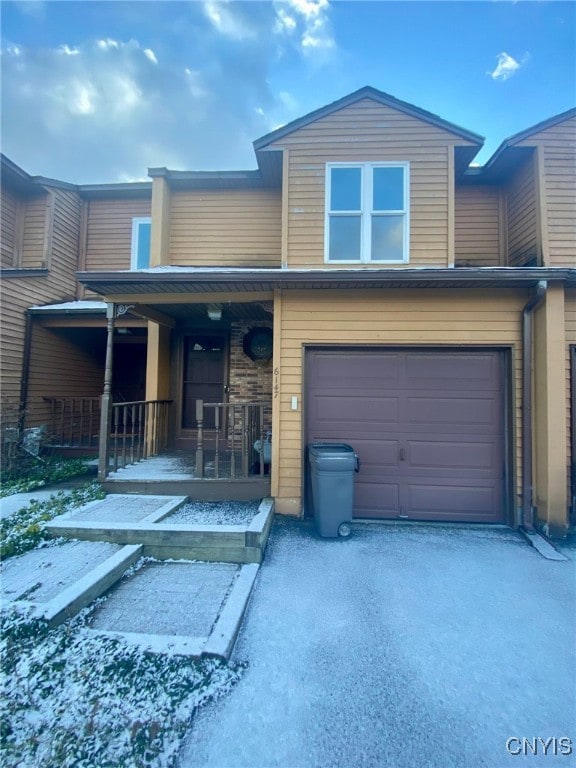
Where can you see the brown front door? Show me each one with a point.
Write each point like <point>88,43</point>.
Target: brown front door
<point>428,427</point>
<point>203,376</point>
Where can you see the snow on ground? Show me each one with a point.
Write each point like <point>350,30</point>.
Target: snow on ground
<point>76,700</point>
<point>11,504</point>
<point>401,647</point>
<point>215,513</point>
<point>118,508</point>
<point>191,595</point>
<point>42,573</point>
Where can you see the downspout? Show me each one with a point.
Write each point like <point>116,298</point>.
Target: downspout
<point>527,520</point>
<point>23,405</point>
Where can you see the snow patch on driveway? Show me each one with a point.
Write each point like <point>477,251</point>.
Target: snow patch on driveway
<point>399,647</point>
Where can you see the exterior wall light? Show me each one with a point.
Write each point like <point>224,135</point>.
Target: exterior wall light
<point>214,312</point>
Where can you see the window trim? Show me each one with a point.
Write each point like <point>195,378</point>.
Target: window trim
<point>366,211</point>
<point>136,222</point>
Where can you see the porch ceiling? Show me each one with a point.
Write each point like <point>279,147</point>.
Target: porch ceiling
<point>230,311</point>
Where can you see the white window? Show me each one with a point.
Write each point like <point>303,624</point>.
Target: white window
<point>367,217</point>
<point>140,243</point>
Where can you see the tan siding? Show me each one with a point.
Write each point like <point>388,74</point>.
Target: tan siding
<point>570,309</point>
<point>384,318</point>
<point>477,226</point>
<point>523,246</point>
<point>17,294</point>
<point>54,365</point>
<point>8,212</point>
<point>369,132</point>
<point>109,232</point>
<point>35,223</point>
<point>559,149</point>
<point>235,228</point>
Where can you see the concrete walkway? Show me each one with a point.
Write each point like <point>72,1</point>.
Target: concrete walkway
<point>400,647</point>
<point>11,504</point>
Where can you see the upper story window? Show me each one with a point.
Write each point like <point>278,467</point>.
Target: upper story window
<point>140,243</point>
<point>366,212</point>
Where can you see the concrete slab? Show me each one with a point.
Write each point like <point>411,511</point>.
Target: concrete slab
<point>179,607</point>
<point>125,508</point>
<point>11,504</point>
<point>42,574</point>
<point>542,545</point>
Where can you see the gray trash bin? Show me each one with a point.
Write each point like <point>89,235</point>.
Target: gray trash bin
<point>331,468</point>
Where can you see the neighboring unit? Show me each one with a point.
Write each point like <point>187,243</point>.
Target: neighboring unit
<point>365,285</point>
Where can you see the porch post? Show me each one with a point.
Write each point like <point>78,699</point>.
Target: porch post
<point>106,400</point>
<point>200,438</point>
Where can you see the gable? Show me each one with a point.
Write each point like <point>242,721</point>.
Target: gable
<point>376,97</point>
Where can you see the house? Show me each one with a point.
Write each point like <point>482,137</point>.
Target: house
<point>365,284</point>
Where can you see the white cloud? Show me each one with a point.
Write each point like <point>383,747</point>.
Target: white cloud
<point>193,95</point>
<point>66,50</point>
<point>228,20</point>
<point>81,99</point>
<point>309,21</point>
<point>506,67</point>
<point>108,44</point>
<point>149,53</point>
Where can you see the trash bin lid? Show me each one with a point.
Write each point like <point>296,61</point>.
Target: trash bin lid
<point>335,457</point>
<point>330,448</point>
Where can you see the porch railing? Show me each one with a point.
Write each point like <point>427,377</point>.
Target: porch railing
<point>138,430</point>
<point>227,449</point>
<point>75,421</point>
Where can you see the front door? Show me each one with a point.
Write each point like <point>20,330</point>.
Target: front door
<point>203,376</point>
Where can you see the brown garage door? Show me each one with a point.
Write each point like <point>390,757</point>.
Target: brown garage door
<point>428,427</point>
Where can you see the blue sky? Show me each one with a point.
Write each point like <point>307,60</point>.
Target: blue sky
<point>100,91</point>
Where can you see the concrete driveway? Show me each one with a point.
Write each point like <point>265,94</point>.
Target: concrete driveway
<point>404,646</point>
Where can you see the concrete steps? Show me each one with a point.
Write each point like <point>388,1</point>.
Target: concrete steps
<point>131,520</point>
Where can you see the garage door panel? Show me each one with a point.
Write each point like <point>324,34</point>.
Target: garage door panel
<point>376,500</point>
<point>345,409</point>
<point>458,503</point>
<point>377,455</point>
<point>441,370</point>
<point>463,411</point>
<point>362,370</point>
<point>451,455</point>
<point>428,426</point>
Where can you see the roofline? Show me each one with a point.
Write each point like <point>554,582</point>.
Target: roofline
<point>367,92</point>
<point>13,168</point>
<point>307,278</point>
<point>111,190</point>
<point>201,175</point>
<point>526,133</point>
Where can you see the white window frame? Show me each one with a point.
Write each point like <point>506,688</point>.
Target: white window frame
<point>366,212</point>
<point>136,222</point>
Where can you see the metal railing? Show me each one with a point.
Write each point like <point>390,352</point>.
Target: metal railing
<point>138,430</point>
<point>230,443</point>
<point>75,421</point>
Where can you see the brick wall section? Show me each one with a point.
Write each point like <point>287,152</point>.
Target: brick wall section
<point>249,381</point>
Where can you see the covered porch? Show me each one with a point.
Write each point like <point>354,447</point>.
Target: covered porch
<point>204,427</point>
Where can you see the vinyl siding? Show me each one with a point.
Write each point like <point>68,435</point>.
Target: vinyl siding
<point>477,226</point>
<point>54,365</point>
<point>570,309</point>
<point>109,232</point>
<point>364,132</point>
<point>226,228</point>
<point>8,224</point>
<point>36,223</point>
<point>523,242</point>
<point>415,318</point>
<point>19,293</point>
<point>558,145</point>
